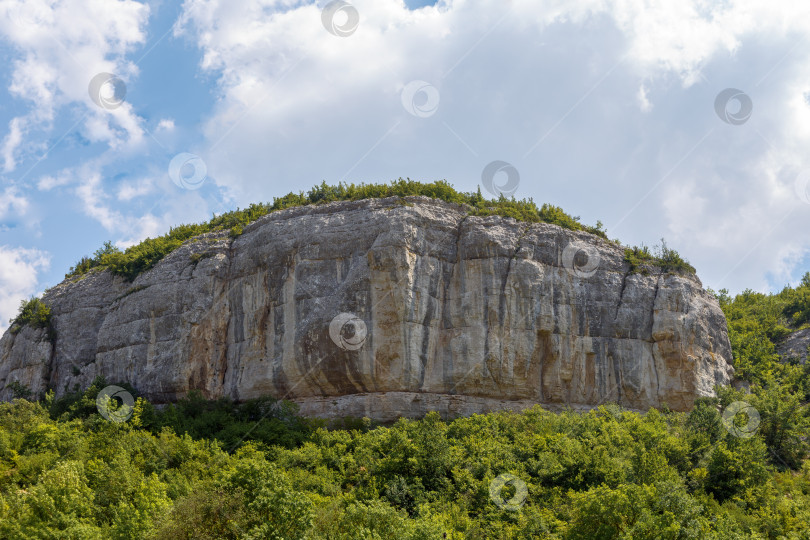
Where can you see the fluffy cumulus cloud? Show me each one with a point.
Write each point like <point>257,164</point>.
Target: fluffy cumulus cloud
<point>605,107</point>
<point>55,48</point>
<point>18,278</point>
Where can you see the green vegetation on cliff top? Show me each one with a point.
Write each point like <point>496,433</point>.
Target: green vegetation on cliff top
<point>141,257</point>
<point>35,313</point>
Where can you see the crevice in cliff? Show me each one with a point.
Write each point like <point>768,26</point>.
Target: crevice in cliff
<point>454,264</point>
<point>502,315</point>
<point>652,308</point>
<point>618,379</point>
<point>621,295</point>
<point>444,316</point>
<point>652,325</point>
<point>458,238</point>
<point>48,377</point>
<point>225,353</point>
<point>502,303</point>
<point>223,357</point>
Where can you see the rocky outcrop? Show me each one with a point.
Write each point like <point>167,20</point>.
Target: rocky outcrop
<point>383,308</point>
<point>793,347</point>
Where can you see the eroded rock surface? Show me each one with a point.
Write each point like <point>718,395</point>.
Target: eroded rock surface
<point>443,311</point>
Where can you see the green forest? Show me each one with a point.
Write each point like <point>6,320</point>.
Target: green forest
<point>203,469</point>
<point>257,470</point>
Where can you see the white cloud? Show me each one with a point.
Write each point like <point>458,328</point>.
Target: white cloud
<point>129,228</point>
<point>63,45</point>
<point>18,278</point>
<point>165,124</point>
<point>133,189</point>
<point>643,100</point>
<point>91,193</point>
<point>11,202</point>
<point>48,182</point>
<point>58,48</point>
<point>606,107</point>
<point>11,143</point>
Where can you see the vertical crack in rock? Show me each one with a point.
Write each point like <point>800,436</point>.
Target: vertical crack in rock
<point>498,362</point>
<point>280,381</point>
<point>48,378</point>
<point>652,327</point>
<point>437,284</point>
<point>652,308</point>
<point>618,378</point>
<point>621,293</point>
<point>225,354</point>
<point>502,303</point>
<point>446,326</point>
<point>657,380</point>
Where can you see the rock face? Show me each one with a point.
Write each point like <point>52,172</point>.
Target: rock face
<point>384,308</point>
<point>794,346</point>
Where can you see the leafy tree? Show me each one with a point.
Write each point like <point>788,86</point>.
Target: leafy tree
<point>783,425</point>
<point>273,510</point>
<point>633,511</point>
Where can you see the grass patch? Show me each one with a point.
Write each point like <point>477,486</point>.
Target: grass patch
<point>669,260</point>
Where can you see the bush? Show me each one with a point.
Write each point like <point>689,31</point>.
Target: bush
<point>19,390</point>
<point>267,421</point>
<point>35,313</point>
<point>668,260</point>
<point>798,302</point>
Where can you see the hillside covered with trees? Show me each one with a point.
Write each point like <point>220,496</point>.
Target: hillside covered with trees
<point>207,470</point>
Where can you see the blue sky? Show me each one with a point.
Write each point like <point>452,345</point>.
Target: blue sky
<point>603,107</point>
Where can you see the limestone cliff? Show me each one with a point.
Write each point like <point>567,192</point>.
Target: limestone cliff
<point>383,308</point>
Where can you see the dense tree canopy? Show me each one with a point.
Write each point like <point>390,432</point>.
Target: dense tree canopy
<point>203,469</point>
